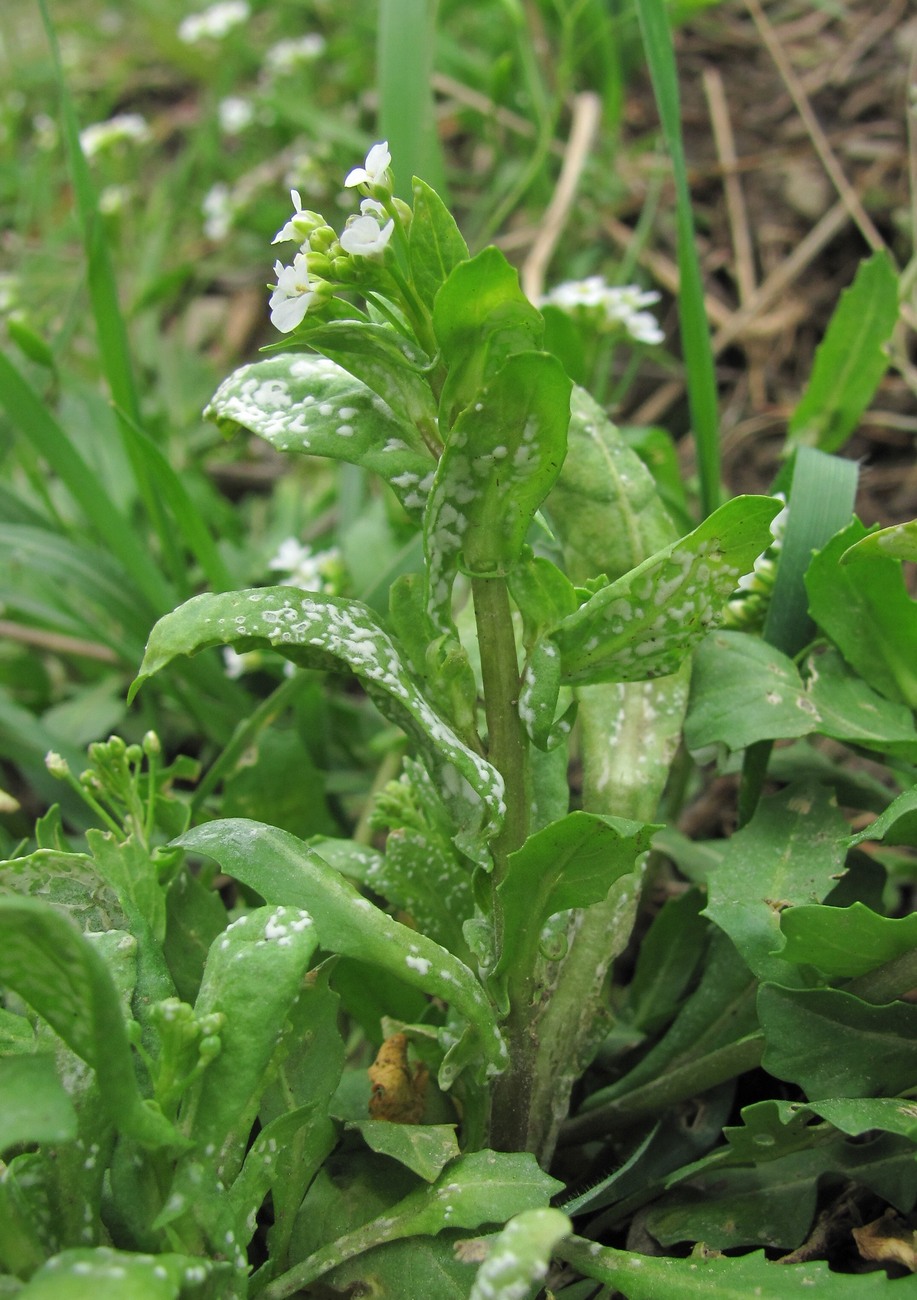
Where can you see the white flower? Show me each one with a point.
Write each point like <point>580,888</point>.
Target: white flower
<point>235,114</point>
<point>298,227</point>
<point>213,23</point>
<point>286,55</point>
<point>102,135</point>
<point>364,237</point>
<point>234,664</point>
<point>378,160</point>
<point>617,305</point>
<point>305,568</point>
<point>218,209</point>
<point>292,298</point>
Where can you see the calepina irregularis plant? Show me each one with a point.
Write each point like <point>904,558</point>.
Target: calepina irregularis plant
<point>182,1118</point>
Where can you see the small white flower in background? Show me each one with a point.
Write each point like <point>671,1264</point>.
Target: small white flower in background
<point>123,126</point>
<point>310,570</point>
<point>620,305</point>
<point>286,56</point>
<point>293,296</point>
<point>213,23</point>
<point>363,236</point>
<point>377,162</point>
<point>235,664</point>
<point>114,199</point>
<point>234,114</point>
<point>217,207</point>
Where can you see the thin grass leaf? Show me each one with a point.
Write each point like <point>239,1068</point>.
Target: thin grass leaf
<point>701,378</point>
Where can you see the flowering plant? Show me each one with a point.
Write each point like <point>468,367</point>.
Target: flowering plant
<point>218,1134</point>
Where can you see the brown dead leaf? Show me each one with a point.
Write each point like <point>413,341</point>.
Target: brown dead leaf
<point>397,1094</point>
<point>889,1240</point>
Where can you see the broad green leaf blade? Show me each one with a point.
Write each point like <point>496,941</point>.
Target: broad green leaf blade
<point>791,852</point>
<point>850,360</point>
<point>253,974</point>
<point>899,542</point>
<point>896,825</point>
<point>835,1045</point>
<point>645,624</point>
<point>33,1104</point>
<point>500,462</point>
<point>849,709</point>
<point>571,863</point>
<point>436,244</point>
<point>481,317</point>
<point>483,1187</point>
<point>285,870</point>
<point>742,691</point>
<point>865,608</point>
<point>106,1274</point>
<point>422,1148</point>
<point>845,942</point>
<point>328,632</point>
<point>389,365</point>
<point>859,1115</point>
<point>302,403</point>
<point>710,1277</point>
<point>47,962</point>
<point>520,1255</point>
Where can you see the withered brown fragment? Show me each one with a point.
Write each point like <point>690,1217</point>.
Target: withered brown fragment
<point>397,1094</point>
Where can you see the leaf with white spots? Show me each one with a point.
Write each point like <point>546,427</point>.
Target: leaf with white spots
<point>285,870</point>
<point>107,1274</point>
<point>479,1188</point>
<point>308,404</point>
<point>520,1255</point>
<point>644,624</point>
<point>501,460</point>
<point>329,632</point>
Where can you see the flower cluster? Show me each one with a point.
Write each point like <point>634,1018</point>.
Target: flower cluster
<point>324,259</point>
<point>102,135</point>
<point>213,23</point>
<point>612,306</point>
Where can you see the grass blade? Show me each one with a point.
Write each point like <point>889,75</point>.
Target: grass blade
<point>406,43</point>
<point>701,378</point>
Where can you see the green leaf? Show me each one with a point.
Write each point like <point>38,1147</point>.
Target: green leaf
<point>791,852</point>
<point>284,870</point>
<point>851,358</point>
<point>483,1187</point>
<point>849,709</point>
<point>743,690</point>
<point>645,624</point>
<point>328,632</point>
<point>542,592</point>
<point>500,462</point>
<point>845,941</point>
<point>252,977</point>
<point>865,608</point>
<point>107,1274</point>
<point>307,404</point>
<point>422,1148</point>
<point>33,1104</point>
<point>436,245</point>
<point>571,863</point>
<point>835,1045</point>
<point>898,542</point>
<point>604,507</point>
<point>481,317</point>
<point>388,364</point>
<point>666,962</point>
<point>715,1277</point>
<point>59,973</point>
<point>520,1255</point>
<point>896,825</point>
<point>859,1115</point>
<point>421,1266</point>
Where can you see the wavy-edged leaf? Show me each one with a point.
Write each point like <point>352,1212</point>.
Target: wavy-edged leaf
<point>845,941</point>
<point>308,404</point>
<point>330,632</point>
<point>898,542</point>
<point>644,624</point>
<point>501,460</point>
<point>285,870</point>
<point>422,1148</point>
<point>59,973</point>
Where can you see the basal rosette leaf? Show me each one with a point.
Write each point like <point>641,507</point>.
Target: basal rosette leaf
<point>285,870</point>
<point>328,632</point>
<point>644,624</point>
<point>308,404</point>
<point>501,460</point>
